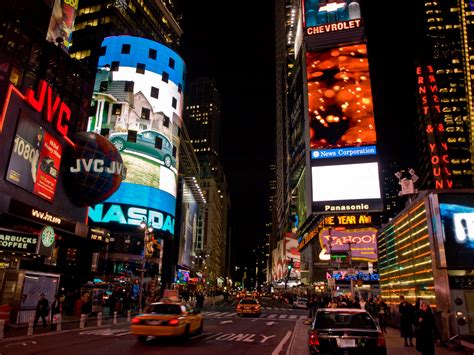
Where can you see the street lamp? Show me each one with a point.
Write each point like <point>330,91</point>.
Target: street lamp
<point>147,229</point>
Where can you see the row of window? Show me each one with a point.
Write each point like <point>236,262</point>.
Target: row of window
<point>152,53</point>
<point>128,87</point>
<point>140,69</point>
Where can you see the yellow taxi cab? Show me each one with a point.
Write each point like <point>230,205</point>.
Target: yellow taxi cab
<point>248,305</point>
<point>167,319</point>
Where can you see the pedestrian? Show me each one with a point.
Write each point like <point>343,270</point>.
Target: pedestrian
<point>42,310</point>
<point>426,331</point>
<point>406,319</point>
<point>200,300</point>
<point>56,308</point>
<point>362,303</point>
<point>372,308</point>
<point>383,314</point>
<point>86,305</point>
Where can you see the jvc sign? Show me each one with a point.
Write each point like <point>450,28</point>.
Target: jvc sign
<point>131,215</point>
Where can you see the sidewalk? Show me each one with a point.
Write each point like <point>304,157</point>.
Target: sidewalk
<point>68,323</point>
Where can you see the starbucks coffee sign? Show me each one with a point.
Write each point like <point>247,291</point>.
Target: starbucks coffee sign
<point>18,242</point>
<point>45,246</point>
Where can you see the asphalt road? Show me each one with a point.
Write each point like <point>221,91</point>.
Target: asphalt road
<point>224,333</point>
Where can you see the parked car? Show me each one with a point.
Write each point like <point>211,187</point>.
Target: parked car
<point>300,302</point>
<point>167,319</point>
<point>149,142</point>
<point>345,331</point>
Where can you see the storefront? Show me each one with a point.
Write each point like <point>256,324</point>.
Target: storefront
<point>427,252</point>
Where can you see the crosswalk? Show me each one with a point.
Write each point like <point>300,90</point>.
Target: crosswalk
<point>263,315</point>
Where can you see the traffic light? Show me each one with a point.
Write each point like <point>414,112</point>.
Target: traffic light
<point>290,265</point>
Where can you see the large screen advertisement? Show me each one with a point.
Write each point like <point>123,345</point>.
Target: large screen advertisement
<point>61,24</point>
<point>138,99</point>
<point>320,12</point>
<point>457,218</point>
<point>360,244</point>
<point>340,98</point>
<point>35,158</point>
<point>346,182</point>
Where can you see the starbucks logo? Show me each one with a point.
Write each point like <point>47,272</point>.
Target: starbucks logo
<point>47,236</point>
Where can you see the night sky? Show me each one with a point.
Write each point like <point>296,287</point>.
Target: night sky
<point>234,43</point>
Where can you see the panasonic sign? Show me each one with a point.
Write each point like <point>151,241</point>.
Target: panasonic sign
<point>131,215</point>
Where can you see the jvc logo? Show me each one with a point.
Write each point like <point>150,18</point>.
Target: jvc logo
<point>98,166</point>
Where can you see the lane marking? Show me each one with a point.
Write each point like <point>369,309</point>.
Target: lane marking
<point>282,343</point>
<point>272,315</point>
<point>283,316</point>
<point>293,316</point>
<point>213,336</point>
<point>303,317</point>
<point>292,340</point>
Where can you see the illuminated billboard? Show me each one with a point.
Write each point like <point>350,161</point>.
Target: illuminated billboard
<point>360,244</point>
<point>457,217</point>
<point>138,100</point>
<point>35,158</point>
<point>340,98</point>
<point>61,24</point>
<point>320,12</point>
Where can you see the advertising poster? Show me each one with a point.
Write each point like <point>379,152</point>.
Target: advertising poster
<point>61,24</point>
<point>292,253</point>
<point>340,98</point>
<point>35,159</point>
<point>320,12</point>
<point>361,244</point>
<point>457,218</point>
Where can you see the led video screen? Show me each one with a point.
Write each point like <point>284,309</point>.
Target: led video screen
<point>346,182</point>
<point>457,218</point>
<point>360,244</point>
<point>138,95</point>
<point>340,98</point>
<point>318,12</point>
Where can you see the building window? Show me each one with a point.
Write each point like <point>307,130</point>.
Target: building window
<point>174,102</point>
<point>171,63</point>
<point>180,88</point>
<point>166,121</point>
<point>129,86</point>
<point>116,109</point>
<point>174,151</point>
<point>126,49</point>
<point>103,86</point>
<point>145,114</point>
<point>154,92</point>
<point>140,68</point>
<point>165,77</point>
<point>102,50</point>
<point>115,66</point>
<point>152,53</point>
<point>158,142</point>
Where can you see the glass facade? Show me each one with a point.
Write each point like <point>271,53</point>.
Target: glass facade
<point>405,259</point>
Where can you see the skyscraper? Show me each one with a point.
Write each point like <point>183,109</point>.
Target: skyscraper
<point>96,19</point>
<point>445,97</point>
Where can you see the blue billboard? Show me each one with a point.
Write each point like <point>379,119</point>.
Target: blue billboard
<point>138,102</point>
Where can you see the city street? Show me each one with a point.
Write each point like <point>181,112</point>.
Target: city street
<point>279,330</point>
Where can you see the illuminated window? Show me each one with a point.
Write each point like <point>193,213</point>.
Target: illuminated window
<point>116,109</point>
<point>126,49</point>
<point>152,53</point>
<point>103,86</point>
<point>154,92</point>
<point>140,68</point>
<point>174,102</point>
<point>171,63</point>
<point>165,77</point>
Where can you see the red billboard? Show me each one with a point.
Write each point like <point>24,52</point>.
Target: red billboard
<point>340,98</point>
<point>35,158</point>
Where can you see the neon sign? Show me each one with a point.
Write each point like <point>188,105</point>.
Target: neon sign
<point>434,127</point>
<point>52,107</point>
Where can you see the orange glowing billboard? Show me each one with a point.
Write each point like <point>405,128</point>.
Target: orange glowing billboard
<point>340,98</point>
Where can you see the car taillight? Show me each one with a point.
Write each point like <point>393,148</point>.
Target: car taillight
<point>136,320</point>
<point>313,338</point>
<point>173,321</point>
<point>381,340</point>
